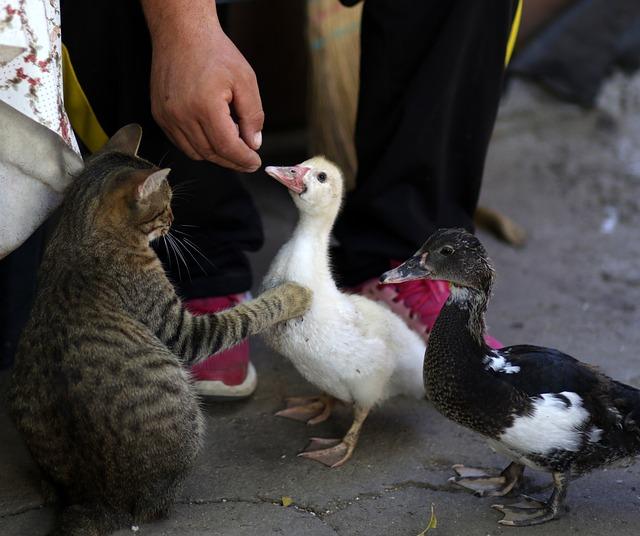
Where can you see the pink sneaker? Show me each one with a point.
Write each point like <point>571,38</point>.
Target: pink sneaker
<point>417,302</point>
<point>228,374</point>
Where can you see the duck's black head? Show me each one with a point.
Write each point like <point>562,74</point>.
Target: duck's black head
<point>453,255</point>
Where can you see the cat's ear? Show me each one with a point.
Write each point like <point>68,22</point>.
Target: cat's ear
<point>126,140</point>
<point>151,183</point>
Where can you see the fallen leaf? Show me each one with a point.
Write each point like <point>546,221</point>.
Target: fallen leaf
<point>286,501</point>
<point>433,522</point>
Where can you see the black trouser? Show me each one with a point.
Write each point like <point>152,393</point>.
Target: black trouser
<point>431,76</point>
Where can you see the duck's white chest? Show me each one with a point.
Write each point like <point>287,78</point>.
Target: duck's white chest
<point>322,350</point>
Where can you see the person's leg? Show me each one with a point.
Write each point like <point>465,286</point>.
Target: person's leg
<point>431,77</point>
<point>215,218</point>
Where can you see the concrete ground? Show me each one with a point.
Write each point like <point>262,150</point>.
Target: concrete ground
<point>572,178</point>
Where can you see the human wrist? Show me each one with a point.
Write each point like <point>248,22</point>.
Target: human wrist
<point>180,21</point>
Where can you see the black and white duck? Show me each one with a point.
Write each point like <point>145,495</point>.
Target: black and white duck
<point>540,407</point>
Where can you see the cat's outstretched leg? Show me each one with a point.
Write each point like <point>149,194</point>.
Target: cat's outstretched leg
<point>194,338</point>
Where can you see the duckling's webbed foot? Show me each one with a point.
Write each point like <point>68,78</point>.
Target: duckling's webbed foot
<point>312,409</point>
<point>336,452</point>
<point>330,452</point>
<point>530,511</point>
<point>482,484</point>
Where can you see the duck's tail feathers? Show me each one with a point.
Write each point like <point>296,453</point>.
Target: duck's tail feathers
<point>627,401</point>
<point>632,421</point>
<point>80,520</point>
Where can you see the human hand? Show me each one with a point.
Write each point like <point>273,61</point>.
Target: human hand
<point>204,94</point>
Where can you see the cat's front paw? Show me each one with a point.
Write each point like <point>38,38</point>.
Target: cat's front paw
<point>296,297</point>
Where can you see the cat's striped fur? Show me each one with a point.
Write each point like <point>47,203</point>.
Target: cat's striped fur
<point>100,390</point>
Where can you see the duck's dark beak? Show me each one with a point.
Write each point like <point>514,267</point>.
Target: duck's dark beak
<point>408,271</point>
<point>291,176</point>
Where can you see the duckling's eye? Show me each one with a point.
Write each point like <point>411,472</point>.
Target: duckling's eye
<point>446,251</point>
<point>322,176</point>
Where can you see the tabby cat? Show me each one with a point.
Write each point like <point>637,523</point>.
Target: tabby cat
<point>100,390</point>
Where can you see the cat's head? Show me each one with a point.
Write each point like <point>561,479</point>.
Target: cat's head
<point>121,194</point>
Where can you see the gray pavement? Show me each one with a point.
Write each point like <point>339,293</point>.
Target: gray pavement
<point>572,178</point>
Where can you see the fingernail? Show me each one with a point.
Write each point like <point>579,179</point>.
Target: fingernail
<point>257,140</point>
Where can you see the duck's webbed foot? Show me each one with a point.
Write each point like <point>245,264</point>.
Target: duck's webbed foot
<point>330,452</point>
<point>483,484</point>
<point>336,452</point>
<point>530,511</point>
<point>311,409</point>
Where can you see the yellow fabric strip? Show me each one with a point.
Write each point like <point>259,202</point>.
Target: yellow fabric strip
<point>511,44</point>
<point>81,114</point>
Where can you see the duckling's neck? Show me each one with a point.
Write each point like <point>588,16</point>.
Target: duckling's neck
<point>307,256</point>
<point>315,227</point>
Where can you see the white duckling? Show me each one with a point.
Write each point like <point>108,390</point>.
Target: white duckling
<point>355,350</point>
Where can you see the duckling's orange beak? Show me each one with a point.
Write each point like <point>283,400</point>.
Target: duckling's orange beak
<point>291,176</point>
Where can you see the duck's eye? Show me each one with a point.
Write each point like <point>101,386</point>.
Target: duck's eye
<point>322,176</point>
<point>446,251</point>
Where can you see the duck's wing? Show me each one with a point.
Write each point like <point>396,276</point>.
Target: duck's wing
<point>536,369</point>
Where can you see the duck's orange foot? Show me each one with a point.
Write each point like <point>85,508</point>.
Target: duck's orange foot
<point>330,452</point>
<point>312,410</point>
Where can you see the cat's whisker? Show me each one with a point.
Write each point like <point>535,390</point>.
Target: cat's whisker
<point>183,186</point>
<point>173,249</point>
<point>190,254</point>
<point>166,248</point>
<point>166,153</point>
<point>182,192</point>
<point>179,252</point>
<point>180,249</point>
<point>188,243</point>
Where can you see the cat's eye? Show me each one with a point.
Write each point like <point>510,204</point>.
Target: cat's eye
<point>322,176</point>
<point>446,251</point>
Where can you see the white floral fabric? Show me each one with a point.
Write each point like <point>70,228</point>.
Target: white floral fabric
<point>31,73</point>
